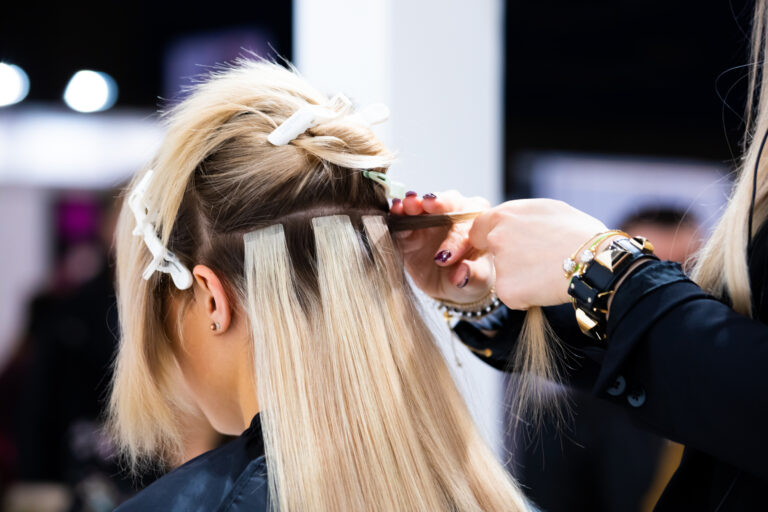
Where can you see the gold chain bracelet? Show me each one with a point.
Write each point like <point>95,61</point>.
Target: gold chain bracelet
<point>586,253</point>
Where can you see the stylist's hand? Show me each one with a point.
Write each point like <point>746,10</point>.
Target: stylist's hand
<point>441,261</point>
<point>529,240</point>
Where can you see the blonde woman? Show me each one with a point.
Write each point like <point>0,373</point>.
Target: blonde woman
<point>258,283</point>
<point>684,356</point>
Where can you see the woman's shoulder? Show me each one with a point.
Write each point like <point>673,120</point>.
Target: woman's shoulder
<point>230,478</point>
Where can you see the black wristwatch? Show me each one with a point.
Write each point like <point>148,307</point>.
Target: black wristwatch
<point>591,289</point>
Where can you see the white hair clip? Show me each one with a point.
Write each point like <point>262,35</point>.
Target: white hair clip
<point>163,260</point>
<point>395,189</point>
<point>310,116</point>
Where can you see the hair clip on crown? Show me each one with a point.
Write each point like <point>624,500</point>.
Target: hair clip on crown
<point>395,189</point>
<point>163,260</point>
<point>310,116</point>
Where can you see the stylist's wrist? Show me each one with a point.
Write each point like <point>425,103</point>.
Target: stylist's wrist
<point>600,246</point>
<point>631,270</point>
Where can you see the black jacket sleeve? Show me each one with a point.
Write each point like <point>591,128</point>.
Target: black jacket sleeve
<point>686,364</point>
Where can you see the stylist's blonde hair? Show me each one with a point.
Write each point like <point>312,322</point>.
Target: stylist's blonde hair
<point>359,411</point>
<point>721,266</point>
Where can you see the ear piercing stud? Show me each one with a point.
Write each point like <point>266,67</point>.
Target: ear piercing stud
<point>215,326</point>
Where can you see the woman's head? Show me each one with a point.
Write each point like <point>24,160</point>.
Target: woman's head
<point>215,179</point>
<point>299,309</point>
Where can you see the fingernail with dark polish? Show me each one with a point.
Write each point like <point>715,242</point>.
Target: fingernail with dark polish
<point>411,193</point>
<point>443,256</point>
<point>464,281</point>
<point>395,201</point>
<point>430,196</point>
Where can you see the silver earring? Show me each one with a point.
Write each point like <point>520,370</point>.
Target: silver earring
<point>215,326</point>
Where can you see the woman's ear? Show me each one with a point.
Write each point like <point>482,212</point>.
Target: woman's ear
<point>210,293</point>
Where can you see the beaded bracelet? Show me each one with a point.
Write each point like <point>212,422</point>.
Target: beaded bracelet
<point>472,310</point>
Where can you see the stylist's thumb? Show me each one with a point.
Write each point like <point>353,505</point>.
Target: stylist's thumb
<point>481,228</point>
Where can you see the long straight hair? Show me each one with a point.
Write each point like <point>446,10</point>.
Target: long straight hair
<point>359,411</point>
<point>721,266</point>
<point>361,386</point>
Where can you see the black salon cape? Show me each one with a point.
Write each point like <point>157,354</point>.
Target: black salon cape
<point>686,366</point>
<point>232,478</point>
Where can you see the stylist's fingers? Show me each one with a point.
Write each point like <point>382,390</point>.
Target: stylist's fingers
<point>397,207</point>
<point>451,201</point>
<point>412,203</point>
<point>455,245</point>
<point>482,227</point>
<point>436,204</point>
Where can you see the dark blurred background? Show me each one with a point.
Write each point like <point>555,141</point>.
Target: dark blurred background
<point>645,78</point>
<point>135,42</point>
<point>629,110</point>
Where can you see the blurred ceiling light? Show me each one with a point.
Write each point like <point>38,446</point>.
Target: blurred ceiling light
<point>41,146</point>
<point>14,84</point>
<point>90,91</point>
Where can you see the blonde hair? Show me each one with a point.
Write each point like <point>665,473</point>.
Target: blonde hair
<point>359,411</point>
<point>721,266</point>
